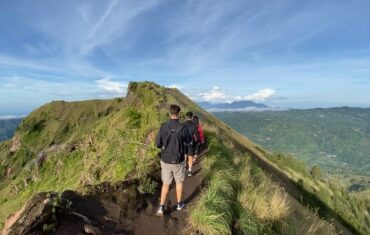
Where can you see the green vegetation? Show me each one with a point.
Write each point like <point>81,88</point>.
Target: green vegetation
<point>65,145</point>
<point>336,139</point>
<point>239,198</point>
<point>7,128</point>
<point>316,172</point>
<point>327,194</point>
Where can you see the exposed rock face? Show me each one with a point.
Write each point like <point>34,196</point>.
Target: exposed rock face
<point>70,147</point>
<point>8,172</point>
<point>99,209</point>
<point>41,157</point>
<point>29,219</point>
<point>150,138</point>
<point>16,144</point>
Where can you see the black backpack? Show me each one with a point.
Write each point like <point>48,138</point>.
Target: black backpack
<point>172,150</point>
<point>193,129</point>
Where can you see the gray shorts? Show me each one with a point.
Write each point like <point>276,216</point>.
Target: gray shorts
<point>170,171</point>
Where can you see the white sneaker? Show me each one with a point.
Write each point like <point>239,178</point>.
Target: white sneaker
<point>160,211</point>
<point>180,206</point>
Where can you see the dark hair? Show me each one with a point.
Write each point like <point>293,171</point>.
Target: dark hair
<point>175,109</point>
<point>196,119</point>
<point>189,114</point>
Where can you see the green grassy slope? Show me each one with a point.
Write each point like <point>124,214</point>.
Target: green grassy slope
<point>67,145</point>
<point>240,198</point>
<point>328,194</point>
<point>7,128</point>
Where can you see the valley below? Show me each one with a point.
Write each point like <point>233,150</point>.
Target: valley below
<point>335,139</point>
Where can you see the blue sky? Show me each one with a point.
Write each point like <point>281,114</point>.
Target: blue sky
<point>284,53</point>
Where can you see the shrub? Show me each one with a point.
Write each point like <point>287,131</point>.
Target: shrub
<point>213,214</point>
<point>247,224</point>
<point>134,118</point>
<point>316,172</point>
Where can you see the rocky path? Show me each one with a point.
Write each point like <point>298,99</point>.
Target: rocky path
<point>173,222</point>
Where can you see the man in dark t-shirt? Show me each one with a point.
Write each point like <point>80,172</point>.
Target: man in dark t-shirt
<point>172,139</point>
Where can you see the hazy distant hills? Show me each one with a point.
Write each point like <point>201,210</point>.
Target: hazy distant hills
<point>7,127</point>
<point>234,106</point>
<point>336,138</point>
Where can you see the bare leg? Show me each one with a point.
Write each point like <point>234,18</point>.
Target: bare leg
<point>179,191</point>
<point>165,189</point>
<point>190,162</point>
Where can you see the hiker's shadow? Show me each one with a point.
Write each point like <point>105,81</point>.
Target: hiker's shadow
<point>193,195</point>
<point>197,171</point>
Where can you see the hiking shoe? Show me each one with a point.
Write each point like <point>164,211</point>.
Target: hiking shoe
<point>190,173</point>
<point>160,211</point>
<point>180,206</point>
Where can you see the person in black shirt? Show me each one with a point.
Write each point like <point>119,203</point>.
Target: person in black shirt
<point>190,149</point>
<point>172,139</point>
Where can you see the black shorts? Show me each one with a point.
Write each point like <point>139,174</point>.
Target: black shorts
<point>190,150</point>
<point>197,148</point>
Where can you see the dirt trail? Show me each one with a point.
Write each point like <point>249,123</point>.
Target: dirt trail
<point>173,222</point>
<point>119,209</point>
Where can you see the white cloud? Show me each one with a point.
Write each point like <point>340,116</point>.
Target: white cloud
<point>53,89</point>
<point>110,86</point>
<point>6,117</point>
<point>215,94</point>
<point>260,95</point>
<point>218,95</point>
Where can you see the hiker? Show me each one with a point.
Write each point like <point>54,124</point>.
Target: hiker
<point>201,137</point>
<point>190,149</point>
<point>172,138</point>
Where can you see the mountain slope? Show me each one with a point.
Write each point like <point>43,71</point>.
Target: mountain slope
<point>73,145</point>
<point>66,145</point>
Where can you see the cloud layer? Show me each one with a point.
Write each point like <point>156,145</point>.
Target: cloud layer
<point>215,94</point>
<point>110,86</point>
<point>218,95</point>
<point>260,95</point>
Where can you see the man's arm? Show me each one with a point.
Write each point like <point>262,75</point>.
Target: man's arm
<point>159,139</point>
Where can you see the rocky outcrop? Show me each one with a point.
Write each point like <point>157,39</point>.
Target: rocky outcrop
<point>41,157</point>
<point>150,138</point>
<point>31,217</point>
<point>94,209</point>
<point>67,148</point>
<point>16,144</point>
<point>8,172</point>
